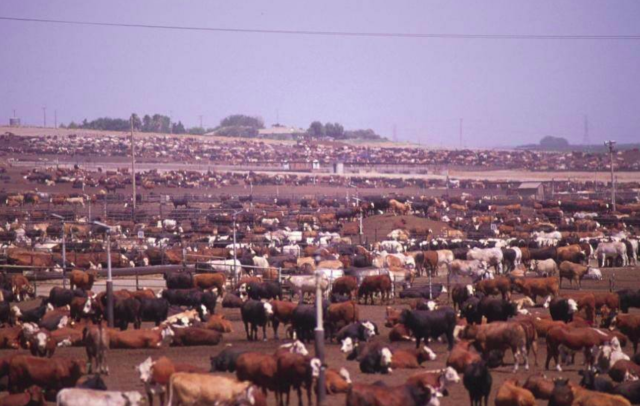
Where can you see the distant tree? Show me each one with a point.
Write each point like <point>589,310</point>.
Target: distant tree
<point>241,120</point>
<point>146,123</point>
<point>178,128</point>
<point>73,125</point>
<point>335,130</point>
<point>316,130</point>
<point>554,142</point>
<point>237,131</point>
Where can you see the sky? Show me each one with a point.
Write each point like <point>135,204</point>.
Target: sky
<point>507,92</point>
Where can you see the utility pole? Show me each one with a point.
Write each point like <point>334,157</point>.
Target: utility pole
<point>14,113</point>
<point>585,137</point>
<point>319,342</point>
<point>610,145</point>
<point>55,118</point>
<point>460,133</point>
<point>133,171</point>
<point>44,112</point>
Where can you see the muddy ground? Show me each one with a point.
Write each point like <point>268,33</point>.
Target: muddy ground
<point>124,377</point>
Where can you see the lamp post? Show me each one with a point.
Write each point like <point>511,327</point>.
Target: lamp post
<point>610,145</point>
<point>235,248</point>
<point>64,250</point>
<point>109,277</point>
<point>319,341</point>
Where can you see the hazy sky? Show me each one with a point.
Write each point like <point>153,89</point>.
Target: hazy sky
<point>508,91</point>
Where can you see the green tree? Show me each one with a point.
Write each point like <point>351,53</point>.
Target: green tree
<point>241,120</point>
<point>137,123</point>
<point>334,130</point>
<point>146,123</point>
<point>178,128</point>
<point>316,130</point>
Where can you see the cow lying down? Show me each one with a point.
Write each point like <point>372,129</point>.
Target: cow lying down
<point>83,397</point>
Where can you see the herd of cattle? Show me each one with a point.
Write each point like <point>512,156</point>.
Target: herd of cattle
<point>247,152</point>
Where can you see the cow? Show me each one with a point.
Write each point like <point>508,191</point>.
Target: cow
<point>345,285</point>
<point>282,313</point>
<point>155,310</point>
<point>51,374</point>
<point>339,315</point>
<point>613,250</point>
<point>81,397</point>
<point>478,381</point>
<point>375,284</point>
<point>500,285</point>
<point>144,338</point>
<point>81,279</point>
<point>409,394</point>
<point>191,389</point>
<point>561,338</point>
<point>156,375</point>
<point>231,301</point>
<point>629,325</point>
<point>96,341</point>
<point>373,357</point>
<point>628,298</point>
<point>264,290</point>
<point>563,309</point>
<point>355,332</point>
<point>460,294</point>
<point>296,371</point>
<point>179,280</point>
<point>492,256</point>
<point>572,272</point>
<point>30,397</point>
<point>491,308</point>
<point>217,323</point>
<point>192,336</point>
<point>609,354</point>
<point>432,291</point>
<point>534,287</point>
<point>301,284</point>
<point>512,394</point>
<point>226,360</point>
<point>411,359</point>
<point>500,336</point>
<point>210,281</point>
<point>544,268</point>
<point>425,324</point>
<point>256,314</point>
<point>475,269</point>
<point>260,369</point>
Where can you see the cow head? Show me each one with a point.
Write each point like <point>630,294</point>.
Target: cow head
<point>573,306</point>
<point>167,334</point>
<point>386,357</point>
<point>144,370</point>
<point>268,309</point>
<point>427,353</point>
<point>315,367</point>
<point>132,397</point>
<point>296,347</point>
<point>449,377</point>
<point>369,330</point>
<point>470,290</point>
<point>347,346</point>
<point>41,339</point>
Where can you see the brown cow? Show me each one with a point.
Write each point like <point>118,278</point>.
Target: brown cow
<point>260,369</point>
<point>10,337</point>
<point>218,322</point>
<point>572,272</point>
<point>400,332</point>
<point>341,314</point>
<point>534,287</point>
<point>512,394</point>
<point>539,385</point>
<point>144,338</point>
<point>282,312</point>
<point>52,374</point>
<point>345,285</point>
<point>96,341</point>
<point>574,339</point>
<point>209,281</point>
<point>337,381</point>
<point>192,336</point>
<point>156,375</point>
<point>30,397</point>
<point>624,370</point>
<point>500,336</point>
<point>412,358</point>
<point>498,286</point>
<point>629,325</point>
<point>375,284</point>
<point>462,355</point>
<point>81,279</point>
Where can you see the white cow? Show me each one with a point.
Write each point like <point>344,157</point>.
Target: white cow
<point>83,397</point>
<point>547,267</point>
<point>301,284</point>
<point>613,250</point>
<point>391,246</point>
<point>492,256</point>
<point>225,265</point>
<point>474,269</point>
<point>292,249</point>
<point>260,262</point>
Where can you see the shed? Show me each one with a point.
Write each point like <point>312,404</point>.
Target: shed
<point>533,190</point>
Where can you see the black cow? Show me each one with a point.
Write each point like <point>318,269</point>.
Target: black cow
<point>509,257</point>
<point>477,380</point>
<point>426,324</point>
<point>126,311</point>
<point>358,331</point>
<point>264,290</point>
<point>373,357</point>
<point>630,390</point>
<point>592,381</point>
<point>469,310</point>
<point>5,312</point>
<point>495,309</point>
<point>178,280</point>
<point>423,292</point>
<point>7,295</point>
<point>59,297</point>
<point>156,310</point>
<point>32,315</point>
<point>231,301</point>
<point>563,309</point>
<point>628,298</point>
<point>303,322</point>
<point>192,298</point>
<point>94,382</point>
<point>256,314</point>
<point>51,323</point>
<point>226,360</point>
<point>460,294</point>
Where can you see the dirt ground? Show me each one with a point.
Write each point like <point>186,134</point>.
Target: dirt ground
<point>122,363</point>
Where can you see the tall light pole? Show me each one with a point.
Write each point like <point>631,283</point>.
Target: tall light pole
<point>610,145</point>
<point>235,248</point>
<point>133,171</point>
<point>64,250</point>
<point>109,276</point>
<point>44,113</point>
<point>319,341</point>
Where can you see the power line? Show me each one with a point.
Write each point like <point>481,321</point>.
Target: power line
<point>332,33</point>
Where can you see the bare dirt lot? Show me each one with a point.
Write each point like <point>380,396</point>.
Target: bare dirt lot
<point>124,377</point>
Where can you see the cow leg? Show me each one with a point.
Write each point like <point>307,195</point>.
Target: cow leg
<point>299,390</point>
<point>264,332</point>
<point>246,329</point>
<point>275,323</point>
